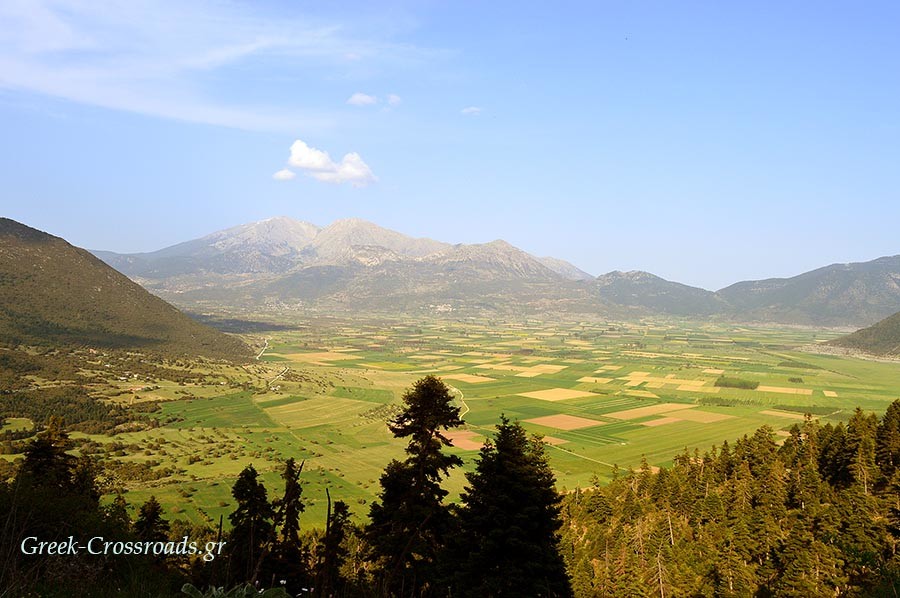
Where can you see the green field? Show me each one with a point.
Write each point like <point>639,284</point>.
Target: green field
<point>605,395</point>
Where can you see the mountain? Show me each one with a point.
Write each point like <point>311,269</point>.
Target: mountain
<point>565,269</point>
<point>334,242</point>
<point>272,245</point>
<point>349,264</point>
<point>836,295</point>
<point>646,291</point>
<point>497,259</point>
<point>882,338</point>
<point>353,264</point>
<point>52,294</point>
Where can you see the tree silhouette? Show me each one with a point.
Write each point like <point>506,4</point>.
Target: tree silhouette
<point>409,524</point>
<point>509,520</point>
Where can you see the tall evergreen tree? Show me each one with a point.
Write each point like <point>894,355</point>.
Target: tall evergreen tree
<point>334,554</point>
<point>509,520</point>
<point>861,434</point>
<point>887,450</point>
<point>150,525</point>
<point>252,529</point>
<point>409,523</point>
<point>289,557</point>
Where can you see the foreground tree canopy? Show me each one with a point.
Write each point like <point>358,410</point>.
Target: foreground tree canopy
<point>817,515</point>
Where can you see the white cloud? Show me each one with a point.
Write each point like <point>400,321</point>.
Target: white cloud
<point>284,175</point>
<point>471,111</point>
<point>393,99</point>
<point>362,99</point>
<point>319,165</point>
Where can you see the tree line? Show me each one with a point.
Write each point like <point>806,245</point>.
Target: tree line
<point>817,516</point>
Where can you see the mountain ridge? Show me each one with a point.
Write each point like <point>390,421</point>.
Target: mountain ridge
<point>353,262</point>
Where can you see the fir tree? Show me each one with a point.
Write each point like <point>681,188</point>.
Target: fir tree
<point>252,529</point>
<point>409,523</point>
<point>289,558</point>
<point>509,521</point>
<point>150,525</point>
<point>887,449</point>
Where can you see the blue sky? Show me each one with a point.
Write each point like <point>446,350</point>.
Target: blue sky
<point>706,142</point>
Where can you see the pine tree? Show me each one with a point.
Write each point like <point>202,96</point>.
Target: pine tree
<point>334,554</point>
<point>887,450</point>
<point>861,433</point>
<point>409,523</point>
<point>252,529</point>
<point>288,553</point>
<point>150,525</point>
<point>509,521</point>
<point>46,463</point>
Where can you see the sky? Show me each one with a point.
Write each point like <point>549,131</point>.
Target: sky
<point>706,142</point>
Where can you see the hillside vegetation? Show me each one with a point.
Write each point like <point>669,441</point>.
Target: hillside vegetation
<point>55,295</point>
<point>882,338</point>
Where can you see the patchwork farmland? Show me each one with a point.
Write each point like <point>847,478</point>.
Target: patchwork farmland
<point>603,396</point>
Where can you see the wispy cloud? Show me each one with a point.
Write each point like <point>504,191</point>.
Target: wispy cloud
<point>187,61</point>
<point>393,99</point>
<point>362,99</point>
<point>471,111</point>
<point>319,165</point>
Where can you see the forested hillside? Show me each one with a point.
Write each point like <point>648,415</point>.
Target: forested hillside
<point>817,516</point>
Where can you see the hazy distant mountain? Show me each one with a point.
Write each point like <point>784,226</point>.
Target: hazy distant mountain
<point>565,269</point>
<point>493,276</point>
<point>350,263</point>
<point>52,294</point>
<point>882,338</point>
<point>334,243</point>
<point>267,246</point>
<point>644,290</point>
<point>839,295</point>
<point>354,264</point>
<point>497,259</point>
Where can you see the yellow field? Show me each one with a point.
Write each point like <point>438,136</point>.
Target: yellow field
<point>650,410</point>
<point>595,380</point>
<point>561,421</point>
<point>468,378</point>
<point>557,394</point>
<point>785,391</point>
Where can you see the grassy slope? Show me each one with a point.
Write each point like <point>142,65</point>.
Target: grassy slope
<point>882,338</point>
<point>53,294</point>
